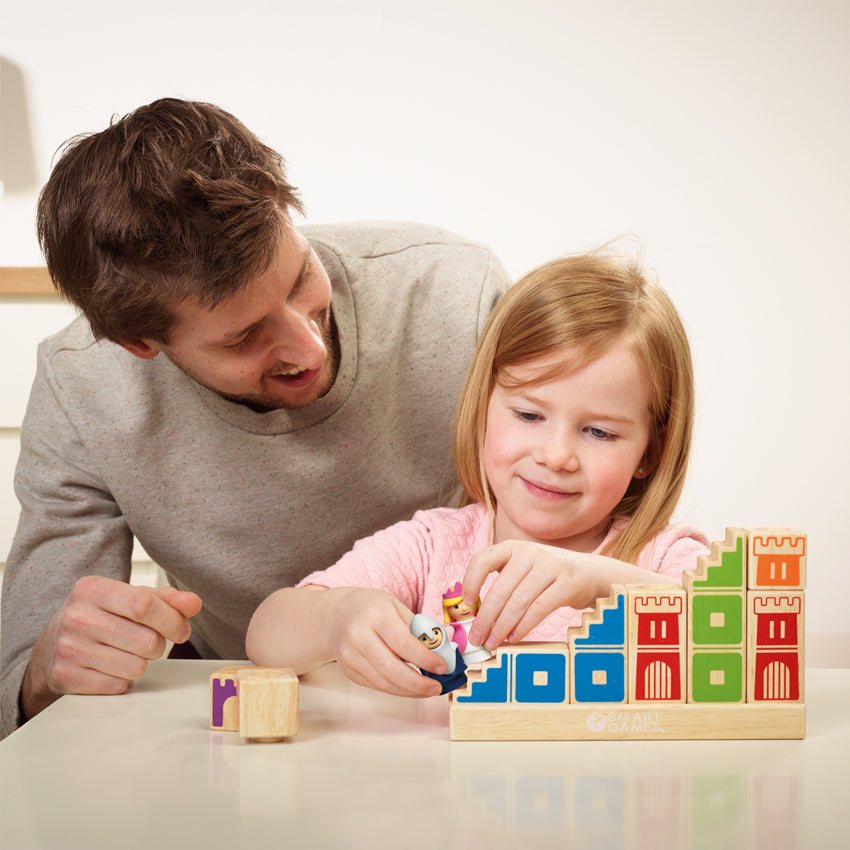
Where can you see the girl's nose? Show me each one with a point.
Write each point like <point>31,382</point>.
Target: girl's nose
<point>558,454</point>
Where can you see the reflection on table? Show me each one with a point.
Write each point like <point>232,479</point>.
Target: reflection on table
<point>370,770</point>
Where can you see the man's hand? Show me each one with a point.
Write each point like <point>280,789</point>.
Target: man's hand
<point>102,638</point>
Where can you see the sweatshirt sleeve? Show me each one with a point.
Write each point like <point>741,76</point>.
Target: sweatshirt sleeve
<point>69,527</point>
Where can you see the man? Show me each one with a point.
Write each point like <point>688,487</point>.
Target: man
<point>244,397</point>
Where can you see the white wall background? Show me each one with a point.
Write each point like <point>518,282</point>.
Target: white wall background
<point>719,132</point>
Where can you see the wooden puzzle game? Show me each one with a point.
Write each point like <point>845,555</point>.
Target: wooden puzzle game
<point>721,657</point>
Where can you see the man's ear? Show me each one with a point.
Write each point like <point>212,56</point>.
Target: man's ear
<point>144,348</point>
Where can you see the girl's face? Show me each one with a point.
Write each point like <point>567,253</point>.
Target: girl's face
<point>559,455</point>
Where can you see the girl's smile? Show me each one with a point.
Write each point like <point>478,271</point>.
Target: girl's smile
<point>546,491</point>
<point>560,454</point>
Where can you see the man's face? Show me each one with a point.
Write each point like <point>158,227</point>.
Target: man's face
<point>271,346</point>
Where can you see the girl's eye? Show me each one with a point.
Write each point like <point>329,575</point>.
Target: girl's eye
<point>600,434</point>
<point>526,415</point>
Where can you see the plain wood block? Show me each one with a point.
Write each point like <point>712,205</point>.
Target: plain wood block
<point>657,630</point>
<point>776,558</point>
<point>268,703</point>
<point>775,645</point>
<point>224,698</point>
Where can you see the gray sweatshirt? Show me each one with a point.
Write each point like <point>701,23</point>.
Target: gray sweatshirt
<point>231,503</point>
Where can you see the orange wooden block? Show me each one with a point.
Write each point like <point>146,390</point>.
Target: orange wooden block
<point>776,558</point>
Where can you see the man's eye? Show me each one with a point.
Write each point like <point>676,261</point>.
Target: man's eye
<point>243,342</point>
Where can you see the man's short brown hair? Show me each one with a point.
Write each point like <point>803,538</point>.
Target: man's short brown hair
<point>177,200</point>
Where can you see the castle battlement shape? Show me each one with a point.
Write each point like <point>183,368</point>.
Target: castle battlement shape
<point>720,657</point>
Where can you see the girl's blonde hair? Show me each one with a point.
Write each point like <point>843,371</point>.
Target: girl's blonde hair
<point>581,306</point>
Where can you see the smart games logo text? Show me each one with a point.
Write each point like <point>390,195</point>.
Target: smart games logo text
<point>624,722</point>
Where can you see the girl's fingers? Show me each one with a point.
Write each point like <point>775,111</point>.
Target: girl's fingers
<point>492,559</point>
<point>526,600</point>
<point>499,596</point>
<point>377,657</point>
<point>533,581</point>
<point>547,602</point>
<point>383,670</point>
<point>480,565</point>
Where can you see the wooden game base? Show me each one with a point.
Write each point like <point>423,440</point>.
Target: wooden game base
<point>632,722</point>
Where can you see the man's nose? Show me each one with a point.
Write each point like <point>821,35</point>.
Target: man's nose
<point>301,341</point>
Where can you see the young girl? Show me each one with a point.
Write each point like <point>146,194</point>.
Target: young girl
<point>571,441</point>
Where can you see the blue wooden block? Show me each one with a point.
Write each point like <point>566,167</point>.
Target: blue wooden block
<point>609,669</point>
<point>495,687</point>
<point>549,669</point>
<point>611,631</point>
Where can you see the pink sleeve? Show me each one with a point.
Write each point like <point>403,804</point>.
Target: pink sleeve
<point>674,550</point>
<point>394,560</point>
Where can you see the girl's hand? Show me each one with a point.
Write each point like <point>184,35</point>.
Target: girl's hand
<point>369,635</point>
<point>534,580</point>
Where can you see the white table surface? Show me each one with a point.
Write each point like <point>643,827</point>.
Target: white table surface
<point>367,770</point>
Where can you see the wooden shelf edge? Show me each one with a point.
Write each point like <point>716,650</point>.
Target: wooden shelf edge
<point>26,280</point>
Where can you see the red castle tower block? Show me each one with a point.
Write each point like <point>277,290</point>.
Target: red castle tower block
<point>657,643</point>
<point>775,627</point>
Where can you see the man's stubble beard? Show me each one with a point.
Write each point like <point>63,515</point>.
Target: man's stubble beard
<point>263,401</point>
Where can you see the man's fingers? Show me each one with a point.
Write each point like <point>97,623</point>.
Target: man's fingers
<point>184,601</point>
<point>83,629</point>
<point>161,610</point>
<point>96,669</point>
<point>147,607</point>
<point>88,681</point>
